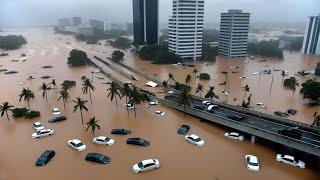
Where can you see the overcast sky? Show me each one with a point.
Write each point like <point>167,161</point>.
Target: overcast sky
<point>46,12</point>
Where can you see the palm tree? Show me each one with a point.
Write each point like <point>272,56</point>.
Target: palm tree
<point>226,79</point>
<point>114,91</point>
<point>45,88</point>
<point>199,89</point>
<point>294,85</point>
<point>316,121</point>
<point>93,124</point>
<point>136,98</point>
<point>188,80</point>
<point>53,83</point>
<point>87,87</point>
<point>195,71</point>
<point>126,92</point>
<point>80,104</point>
<point>171,78</point>
<point>27,95</point>
<point>64,95</point>
<point>246,89</point>
<point>184,99</point>
<point>30,78</point>
<point>4,108</point>
<point>210,94</point>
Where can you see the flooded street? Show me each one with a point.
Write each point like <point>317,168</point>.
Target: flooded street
<point>220,158</point>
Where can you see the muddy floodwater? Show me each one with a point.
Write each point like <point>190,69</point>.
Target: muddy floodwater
<point>220,158</point>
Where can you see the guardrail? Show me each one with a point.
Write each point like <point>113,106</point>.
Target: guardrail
<point>262,133</point>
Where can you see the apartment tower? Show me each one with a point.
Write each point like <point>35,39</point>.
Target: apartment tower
<point>145,22</point>
<point>234,30</point>
<point>311,42</point>
<point>186,28</point>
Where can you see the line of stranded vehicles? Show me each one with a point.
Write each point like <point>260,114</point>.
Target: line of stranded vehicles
<point>252,162</point>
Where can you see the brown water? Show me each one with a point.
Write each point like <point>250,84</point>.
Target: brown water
<point>278,99</point>
<point>220,157</point>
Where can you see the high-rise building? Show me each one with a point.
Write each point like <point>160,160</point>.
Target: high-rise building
<point>186,28</point>
<point>96,24</point>
<point>311,42</point>
<point>76,21</point>
<point>234,30</point>
<point>64,22</point>
<point>146,22</point>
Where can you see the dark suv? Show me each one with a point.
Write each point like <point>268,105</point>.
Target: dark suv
<point>290,132</point>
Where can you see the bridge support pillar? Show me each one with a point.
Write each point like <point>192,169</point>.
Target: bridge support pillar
<point>253,139</point>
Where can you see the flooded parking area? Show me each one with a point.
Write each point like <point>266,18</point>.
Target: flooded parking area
<point>220,158</point>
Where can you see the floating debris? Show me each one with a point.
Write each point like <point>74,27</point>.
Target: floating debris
<point>11,72</point>
<point>45,77</point>
<point>255,73</point>
<point>263,60</point>
<point>3,70</point>
<point>100,78</point>
<point>47,67</point>
<point>242,77</point>
<point>267,71</point>
<point>14,60</point>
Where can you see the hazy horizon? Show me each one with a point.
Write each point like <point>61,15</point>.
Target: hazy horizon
<point>38,12</point>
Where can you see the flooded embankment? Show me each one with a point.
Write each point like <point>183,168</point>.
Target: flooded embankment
<point>220,157</point>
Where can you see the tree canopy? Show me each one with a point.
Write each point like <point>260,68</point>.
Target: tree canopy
<point>78,58</point>
<point>266,48</point>
<point>12,42</point>
<point>117,55</point>
<point>311,90</point>
<point>121,43</point>
<point>159,54</point>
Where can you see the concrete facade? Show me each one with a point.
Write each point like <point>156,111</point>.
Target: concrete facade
<point>311,42</point>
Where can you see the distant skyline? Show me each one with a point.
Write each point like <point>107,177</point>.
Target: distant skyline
<point>46,12</point>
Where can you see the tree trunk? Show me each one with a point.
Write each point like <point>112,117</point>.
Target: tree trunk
<point>81,117</point>
<point>64,104</point>
<point>90,96</point>
<point>28,103</point>
<point>7,116</point>
<point>46,97</point>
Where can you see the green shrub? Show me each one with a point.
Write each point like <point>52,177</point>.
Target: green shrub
<point>204,76</point>
<point>32,114</point>
<point>19,112</point>
<point>181,87</point>
<point>317,71</point>
<point>68,84</point>
<point>11,42</point>
<point>117,55</point>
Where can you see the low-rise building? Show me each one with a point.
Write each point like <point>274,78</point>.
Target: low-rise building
<point>85,30</point>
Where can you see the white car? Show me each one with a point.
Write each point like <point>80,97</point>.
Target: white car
<point>56,111</point>
<point>225,93</point>
<point>252,162</point>
<point>234,135</point>
<point>103,140</point>
<point>152,103</point>
<point>261,105</point>
<point>290,160</point>
<point>146,165</point>
<point>206,103</point>
<point>242,77</point>
<point>194,139</point>
<point>212,107</point>
<point>128,106</point>
<point>159,113</point>
<point>42,133</point>
<point>37,126</point>
<point>77,144</point>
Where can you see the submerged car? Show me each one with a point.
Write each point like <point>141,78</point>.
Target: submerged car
<point>152,103</point>
<point>103,140</point>
<point>37,126</point>
<point>56,111</point>
<point>146,165</point>
<point>261,105</point>
<point>121,131</point>
<point>43,133</point>
<point>57,119</point>
<point>184,129</point>
<point>206,103</point>
<point>138,141</point>
<point>281,114</point>
<point>290,132</point>
<point>45,157</point>
<point>77,144</point>
<point>252,162</point>
<point>290,160</point>
<point>159,113</point>
<point>212,107</point>
<point>128,106</point>
<point>194,139</point>
<point>234,135</point>
<point>98,158</point>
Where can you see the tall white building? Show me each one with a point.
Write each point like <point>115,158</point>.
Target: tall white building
<point>234,30</point>
<point>311,42</point>
<point>186,28</point>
